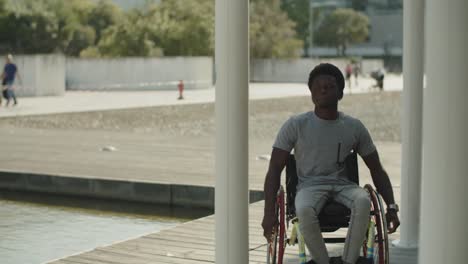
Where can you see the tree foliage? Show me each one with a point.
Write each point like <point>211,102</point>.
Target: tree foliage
<point>272,33</point>
<point>92,28</point>
<point>44,26</point>
<point>130,37</point>
<point>298,11</point>
<point>103,15</point>
<point>172,28</point>
<point>184,26</point>
<point>342,28</point>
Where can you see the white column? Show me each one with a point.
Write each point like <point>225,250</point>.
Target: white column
<point>231,193</point>
<point>413,70</point>
<point>444,200</point>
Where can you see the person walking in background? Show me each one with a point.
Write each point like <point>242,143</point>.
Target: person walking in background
<point>356,71</point>
<point>10,72</point>
<point>379,76</point>
<point>349,72</point>
<point>180,86</point>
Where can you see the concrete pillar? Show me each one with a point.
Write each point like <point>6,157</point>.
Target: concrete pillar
<point>413,71</point>
<point>444,209</point>
<point>231,193</point>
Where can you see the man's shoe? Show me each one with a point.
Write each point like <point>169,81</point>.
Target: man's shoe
<point>363,260</point>
<point>336,260</point>
<point>311,262</point>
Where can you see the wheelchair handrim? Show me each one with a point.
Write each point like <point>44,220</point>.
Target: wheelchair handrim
<point>381,247</point>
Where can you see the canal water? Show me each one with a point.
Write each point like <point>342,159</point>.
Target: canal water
<point>37,228</point>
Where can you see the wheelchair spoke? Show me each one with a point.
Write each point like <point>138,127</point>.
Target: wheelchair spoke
<point>380,240</point>
<point>277,246</point>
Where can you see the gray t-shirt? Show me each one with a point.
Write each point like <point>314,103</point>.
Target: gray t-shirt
<point>316,143</point>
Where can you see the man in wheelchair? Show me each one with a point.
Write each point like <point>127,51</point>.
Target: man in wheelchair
<point>322,140</point>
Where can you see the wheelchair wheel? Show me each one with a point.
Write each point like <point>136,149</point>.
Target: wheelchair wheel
<point>376,244</point>
<point>278,244</point>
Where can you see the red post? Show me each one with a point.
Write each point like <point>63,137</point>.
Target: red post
<point>181,90</point>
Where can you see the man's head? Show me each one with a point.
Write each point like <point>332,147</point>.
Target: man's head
<point>326,83</point>
<point>9,58</point>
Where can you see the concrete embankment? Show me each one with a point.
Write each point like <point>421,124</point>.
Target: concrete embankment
<point>150,192</point>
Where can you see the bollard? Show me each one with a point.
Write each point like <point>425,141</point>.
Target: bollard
<point>181,90</point>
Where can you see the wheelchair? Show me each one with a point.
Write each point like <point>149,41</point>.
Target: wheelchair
<point>332,217</point>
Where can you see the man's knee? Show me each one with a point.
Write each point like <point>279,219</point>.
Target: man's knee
<point>362,202</point>
<point>307,212</point>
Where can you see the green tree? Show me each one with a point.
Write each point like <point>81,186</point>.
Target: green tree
<point>183,27</point>
<point>172,28</point>
<point>72,17</point>
<point>44,26</point>
<point>298,11</point>
<point>82,37</point>
<point>272,33</point>
<point>27,26</point>
<point>90,52</point>
<point>342,28</point>
<point>103,15</point>
<point>130,37</point>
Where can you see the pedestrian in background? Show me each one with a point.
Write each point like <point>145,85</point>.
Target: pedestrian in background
<point>180,86</point>
<point>379,76</point>
<point>356,72</point>
<point>349,72</point>
<point>10,72</point>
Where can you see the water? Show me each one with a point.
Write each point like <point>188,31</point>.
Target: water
<point>53,227</point>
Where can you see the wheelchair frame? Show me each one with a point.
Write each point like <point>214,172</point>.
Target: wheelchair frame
<point>375,246</point>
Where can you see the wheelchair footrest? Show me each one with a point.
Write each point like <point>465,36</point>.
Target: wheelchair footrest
<point>334,239</point>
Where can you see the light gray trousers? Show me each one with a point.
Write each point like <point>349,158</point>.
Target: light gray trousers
<point>310,201</point>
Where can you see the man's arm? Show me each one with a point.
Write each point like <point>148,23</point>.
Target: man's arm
<point>384,187</point>
<point>19,76</point>
<point>278,161</point>
<point>379,177</point>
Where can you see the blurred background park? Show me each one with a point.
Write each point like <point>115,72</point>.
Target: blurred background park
<point>151,28</point>
<point>155,44</point>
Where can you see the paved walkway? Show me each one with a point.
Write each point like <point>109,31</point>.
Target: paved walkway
<point>146,158</point>
<point>79,101</point>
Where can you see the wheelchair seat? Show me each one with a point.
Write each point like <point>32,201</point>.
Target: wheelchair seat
<point>333,215</point>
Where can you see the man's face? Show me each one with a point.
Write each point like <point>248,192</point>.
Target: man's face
<point>325,91</point>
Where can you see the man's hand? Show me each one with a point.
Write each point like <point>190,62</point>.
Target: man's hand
<point>268,223</point>
<point>392,221</point>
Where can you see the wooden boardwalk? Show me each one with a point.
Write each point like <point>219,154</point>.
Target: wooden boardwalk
<point>191,242</point>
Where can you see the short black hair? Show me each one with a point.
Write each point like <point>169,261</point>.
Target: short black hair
<point>327,69</point>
